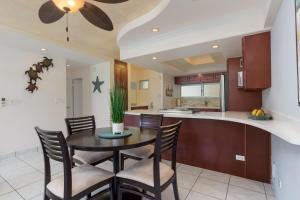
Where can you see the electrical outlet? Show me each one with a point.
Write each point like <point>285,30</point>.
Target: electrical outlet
<point>240,157</point>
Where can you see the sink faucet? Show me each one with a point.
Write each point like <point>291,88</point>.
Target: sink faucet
<point>151,106</point>
<point>206,103</point>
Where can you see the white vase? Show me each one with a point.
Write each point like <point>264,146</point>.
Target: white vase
<point>117,128</point>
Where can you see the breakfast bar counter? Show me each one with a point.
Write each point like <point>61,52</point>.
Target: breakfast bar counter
<point>281,126</point>
<point>228,142</point>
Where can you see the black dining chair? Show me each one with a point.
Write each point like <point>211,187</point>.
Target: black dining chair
<point>152,175</point>
<point>75,183</point>
<point>88,124</point>
<point>147,121</point>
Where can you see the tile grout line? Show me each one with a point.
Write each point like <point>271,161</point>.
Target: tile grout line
<point>14,189</point>
<point>265,191</point>
<point>199,176</point>
<point>248,189</point>
<point>214,181</point>
<point>30,165</point>
<point>25,162</point>
<point>228,187</point>
<point>190,190</point>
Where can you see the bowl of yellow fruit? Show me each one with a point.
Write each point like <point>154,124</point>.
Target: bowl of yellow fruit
<point>259,114</point>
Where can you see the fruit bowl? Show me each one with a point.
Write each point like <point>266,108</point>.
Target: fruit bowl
<point>263,117</point>
<point>259,114</point>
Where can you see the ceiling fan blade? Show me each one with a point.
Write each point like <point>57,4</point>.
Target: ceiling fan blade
<point>49,13</point>
<point>111,1</point>
<point>96,16</point>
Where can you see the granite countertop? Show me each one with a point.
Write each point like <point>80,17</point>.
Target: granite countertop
<point>282,126</point>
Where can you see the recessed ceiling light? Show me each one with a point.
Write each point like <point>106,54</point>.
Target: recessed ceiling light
<point>154,58</point>
<point>215,46</point>
<point>68,65</point>
<point>43,49</point>
<point>155,30</point>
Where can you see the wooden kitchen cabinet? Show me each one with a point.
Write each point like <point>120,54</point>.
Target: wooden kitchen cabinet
<point>240,99</point>
<point>256,63</point>
<point>198,78</point>
<point>214,144</point>
<point>258,154</point>
<point>210,144</point>
<point>121,77</point>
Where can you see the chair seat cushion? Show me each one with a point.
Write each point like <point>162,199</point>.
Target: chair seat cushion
<point>143,172</point>
<point>89,157</point>
<point>83,177</point>
<point>141,152</point>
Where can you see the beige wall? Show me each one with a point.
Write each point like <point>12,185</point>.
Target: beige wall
<point>146,96</point>
<point>212,102</point>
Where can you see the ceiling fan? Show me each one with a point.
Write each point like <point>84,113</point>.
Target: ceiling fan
<point>54,10</point>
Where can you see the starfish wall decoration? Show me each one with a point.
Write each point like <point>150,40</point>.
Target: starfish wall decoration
<point>97,84</point>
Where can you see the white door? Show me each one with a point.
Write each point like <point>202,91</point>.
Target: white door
<point>77,97</point>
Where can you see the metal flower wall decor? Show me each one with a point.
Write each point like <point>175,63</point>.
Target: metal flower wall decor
<point>35,70</point>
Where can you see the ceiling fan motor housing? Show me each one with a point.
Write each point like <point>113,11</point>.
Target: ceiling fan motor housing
<point>69,5</point>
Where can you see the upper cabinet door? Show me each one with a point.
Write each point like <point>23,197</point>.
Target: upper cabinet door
<point>257,61</point>
<point>198,78</point>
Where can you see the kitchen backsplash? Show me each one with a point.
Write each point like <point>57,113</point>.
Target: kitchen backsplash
<point>200,102</point>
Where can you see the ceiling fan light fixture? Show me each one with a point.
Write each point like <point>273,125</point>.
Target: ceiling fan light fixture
<point>155,30</point>
<point>71,5</point>
<point>215,46</point>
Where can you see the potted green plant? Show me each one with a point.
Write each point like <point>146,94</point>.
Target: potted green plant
<point>117,101</point>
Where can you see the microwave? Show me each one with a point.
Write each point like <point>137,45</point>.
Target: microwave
<point>240,79</point>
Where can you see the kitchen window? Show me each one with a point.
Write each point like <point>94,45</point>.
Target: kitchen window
<point>210,90</point>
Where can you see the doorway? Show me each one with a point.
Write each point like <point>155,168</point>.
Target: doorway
<point>77,97</point>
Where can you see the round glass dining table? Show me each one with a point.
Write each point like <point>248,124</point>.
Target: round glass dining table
<point>91,141</point>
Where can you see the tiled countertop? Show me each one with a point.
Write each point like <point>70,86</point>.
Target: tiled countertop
<point>284,127</point>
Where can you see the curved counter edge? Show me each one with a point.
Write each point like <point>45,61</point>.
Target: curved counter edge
<point>283,127</point>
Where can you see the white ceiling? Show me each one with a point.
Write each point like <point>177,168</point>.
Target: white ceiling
<point>11,38</point>
<point>229,47</point>
<point>189,28</point>
<point>22,16</point>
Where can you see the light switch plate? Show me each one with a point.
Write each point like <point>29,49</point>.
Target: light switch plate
<point>240,157</point>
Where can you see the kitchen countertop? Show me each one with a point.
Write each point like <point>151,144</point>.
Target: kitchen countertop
<point>199,107</point>
<point>284,127</point>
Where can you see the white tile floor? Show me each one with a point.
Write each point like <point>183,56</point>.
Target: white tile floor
<point>21,178</point>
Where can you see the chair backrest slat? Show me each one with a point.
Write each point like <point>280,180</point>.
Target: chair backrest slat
<point>75,125</point>
<point>166,140</point>
<point>54,157</point>
<point>151,121</point>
